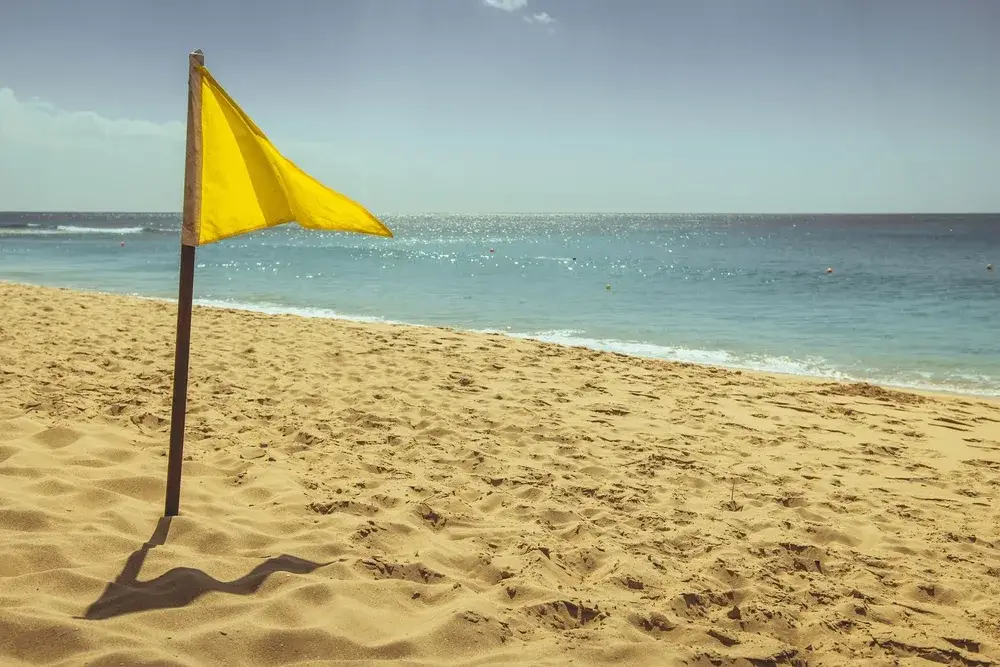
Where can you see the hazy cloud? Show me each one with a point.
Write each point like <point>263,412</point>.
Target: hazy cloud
<point>27,121</point>
<point>506,5</point>
<point>543,18</point>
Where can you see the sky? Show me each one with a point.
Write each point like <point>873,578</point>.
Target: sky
<point>765,106</point>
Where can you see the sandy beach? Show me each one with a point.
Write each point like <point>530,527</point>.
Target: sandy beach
<point>377,493</point>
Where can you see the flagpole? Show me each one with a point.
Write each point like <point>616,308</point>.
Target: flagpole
<point>185,296</point>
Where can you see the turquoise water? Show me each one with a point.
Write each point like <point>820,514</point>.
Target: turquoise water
<point>910,302</point>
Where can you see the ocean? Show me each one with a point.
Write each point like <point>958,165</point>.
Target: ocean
<point>909,303</point>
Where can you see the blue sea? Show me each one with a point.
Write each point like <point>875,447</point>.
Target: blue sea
<point>909,303</point>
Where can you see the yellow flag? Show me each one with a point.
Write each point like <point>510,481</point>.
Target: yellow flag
<point>242,183</point>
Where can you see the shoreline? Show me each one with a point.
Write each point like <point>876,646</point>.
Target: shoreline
<point>380,492</point>
<point>327,314</point>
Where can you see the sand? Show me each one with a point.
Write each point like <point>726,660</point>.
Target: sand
<point>365,493</point>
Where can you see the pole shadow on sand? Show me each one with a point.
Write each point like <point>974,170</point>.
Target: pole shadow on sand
<point>182,585</point>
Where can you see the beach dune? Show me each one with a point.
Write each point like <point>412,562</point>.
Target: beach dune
<point>372,493</point>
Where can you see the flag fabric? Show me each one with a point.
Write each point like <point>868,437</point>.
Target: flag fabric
<point>243,184</point>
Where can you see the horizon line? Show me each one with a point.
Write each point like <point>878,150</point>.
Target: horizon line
<point>672,213</point>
